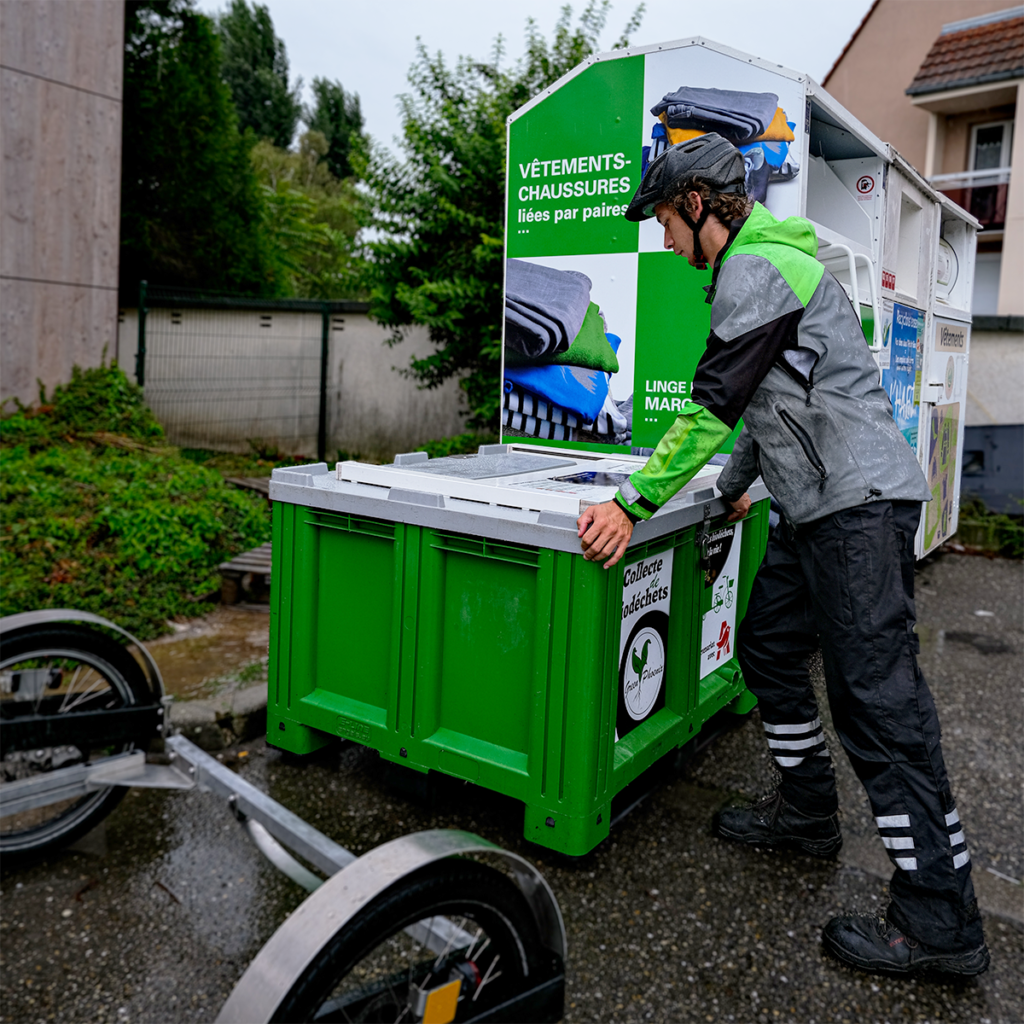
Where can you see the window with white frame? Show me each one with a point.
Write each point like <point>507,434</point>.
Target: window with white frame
<point>990,145</point>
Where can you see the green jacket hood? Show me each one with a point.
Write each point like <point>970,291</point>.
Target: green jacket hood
<point>761,226</point>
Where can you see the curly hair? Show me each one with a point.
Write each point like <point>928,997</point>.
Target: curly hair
<point>726,206</point>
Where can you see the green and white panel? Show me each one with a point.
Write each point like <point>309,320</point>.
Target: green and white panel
<point>575,158</point>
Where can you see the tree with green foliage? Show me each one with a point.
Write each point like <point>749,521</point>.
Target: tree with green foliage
<point>440,213</point>
<point>255,67</point>
<point>337,115</point>
<point>311,218</point>
<point>191,210</point>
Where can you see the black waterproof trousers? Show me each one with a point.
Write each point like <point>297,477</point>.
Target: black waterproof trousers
<point>847,582</point>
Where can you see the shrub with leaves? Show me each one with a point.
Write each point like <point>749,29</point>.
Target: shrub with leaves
<point>94,516</point>
<point>439,214</point>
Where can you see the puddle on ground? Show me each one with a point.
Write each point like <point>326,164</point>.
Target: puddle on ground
<point>215,653</point>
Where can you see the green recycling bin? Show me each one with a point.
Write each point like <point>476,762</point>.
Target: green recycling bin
<point>471,637</point>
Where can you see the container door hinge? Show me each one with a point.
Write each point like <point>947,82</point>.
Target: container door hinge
<point>704,539</point>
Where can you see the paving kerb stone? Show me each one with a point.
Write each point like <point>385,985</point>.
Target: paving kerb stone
<point>217,723</point>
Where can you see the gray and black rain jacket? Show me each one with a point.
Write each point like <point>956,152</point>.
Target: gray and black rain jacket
<point>787,354</point>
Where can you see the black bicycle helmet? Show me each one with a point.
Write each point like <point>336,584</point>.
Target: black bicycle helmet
<point>717,162</point>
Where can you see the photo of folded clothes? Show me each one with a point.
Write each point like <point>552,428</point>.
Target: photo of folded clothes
<point>544,308</point>
<point>590,348</point>
<point>766,154</point>
<point>577,388</point>
<point>737,116</point>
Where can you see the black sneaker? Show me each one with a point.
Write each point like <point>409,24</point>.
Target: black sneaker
<point>876,945</point>
<point>774,823</point>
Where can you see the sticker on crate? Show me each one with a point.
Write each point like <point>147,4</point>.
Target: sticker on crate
<point>643,640</point>
<point>721,586</point>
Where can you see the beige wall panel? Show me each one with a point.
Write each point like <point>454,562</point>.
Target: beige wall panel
<point>77,42</point>
<point>375,411</point>
<point>995,379</point>
<point>46,329</point>
<point>61,182</point>
<point>872,77</point>
<point>1011,276</point>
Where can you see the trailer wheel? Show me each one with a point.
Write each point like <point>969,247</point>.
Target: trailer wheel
<point>62,670</point>
<point>372,969</point>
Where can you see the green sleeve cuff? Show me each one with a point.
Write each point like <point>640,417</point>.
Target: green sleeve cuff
<point>693,438</point>
<point>633,516</point>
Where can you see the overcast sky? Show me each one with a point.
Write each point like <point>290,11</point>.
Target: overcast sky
<point>368,45</point>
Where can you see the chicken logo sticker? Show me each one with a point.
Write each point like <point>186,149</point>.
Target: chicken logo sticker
<point>643,641</point>
<point>644,674</point>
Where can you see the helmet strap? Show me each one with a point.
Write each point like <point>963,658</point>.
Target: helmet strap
<point>700,261</point>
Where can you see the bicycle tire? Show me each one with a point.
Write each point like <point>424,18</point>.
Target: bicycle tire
<point>455,888</point>
<point>105,662</point>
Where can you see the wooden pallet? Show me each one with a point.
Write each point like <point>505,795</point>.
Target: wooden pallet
<point>248,574</point>
<point>259,484</point>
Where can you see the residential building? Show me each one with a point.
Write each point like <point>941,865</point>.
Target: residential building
<point>940,80</point>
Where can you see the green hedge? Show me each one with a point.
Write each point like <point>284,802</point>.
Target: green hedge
<point>95,515</point>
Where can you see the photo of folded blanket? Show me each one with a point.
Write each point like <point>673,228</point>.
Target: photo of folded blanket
<point>544,308</point>
<point>737,116</point>
<point>590,348</point>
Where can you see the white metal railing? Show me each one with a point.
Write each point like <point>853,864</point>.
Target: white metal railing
<point>971,179</point>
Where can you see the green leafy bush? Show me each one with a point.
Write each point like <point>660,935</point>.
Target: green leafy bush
<point>990,533</point>
<point>94,517</point>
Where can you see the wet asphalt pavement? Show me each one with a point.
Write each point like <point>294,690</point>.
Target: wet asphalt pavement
<point>155,915</point>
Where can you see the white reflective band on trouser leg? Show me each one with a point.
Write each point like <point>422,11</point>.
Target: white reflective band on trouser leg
<point>907,863</point>
<point>894,821</point>
<point>790,730</point>
<point>898,842</point>
<point>957,838</point>
<point>952,818</point>
<point>961,859</point>
<point>812,741</point>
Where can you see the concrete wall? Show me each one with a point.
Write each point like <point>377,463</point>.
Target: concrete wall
<point>870,78</point>
<point>60,145</point>
<point>374,411</point>
<point>995,378</point>
<point>219,378</point>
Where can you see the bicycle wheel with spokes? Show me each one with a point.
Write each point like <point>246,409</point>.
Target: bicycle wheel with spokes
<point>454,941</point>
<point>67,670</point>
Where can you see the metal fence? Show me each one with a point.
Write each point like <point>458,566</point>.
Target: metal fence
<point>225,373</point>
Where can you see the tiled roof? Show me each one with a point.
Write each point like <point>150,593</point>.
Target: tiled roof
<point>985,49</point>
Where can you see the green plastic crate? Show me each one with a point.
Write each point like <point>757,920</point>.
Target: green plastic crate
<point>492,661</point>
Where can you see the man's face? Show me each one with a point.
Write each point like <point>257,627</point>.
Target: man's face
<point>678,235</point>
